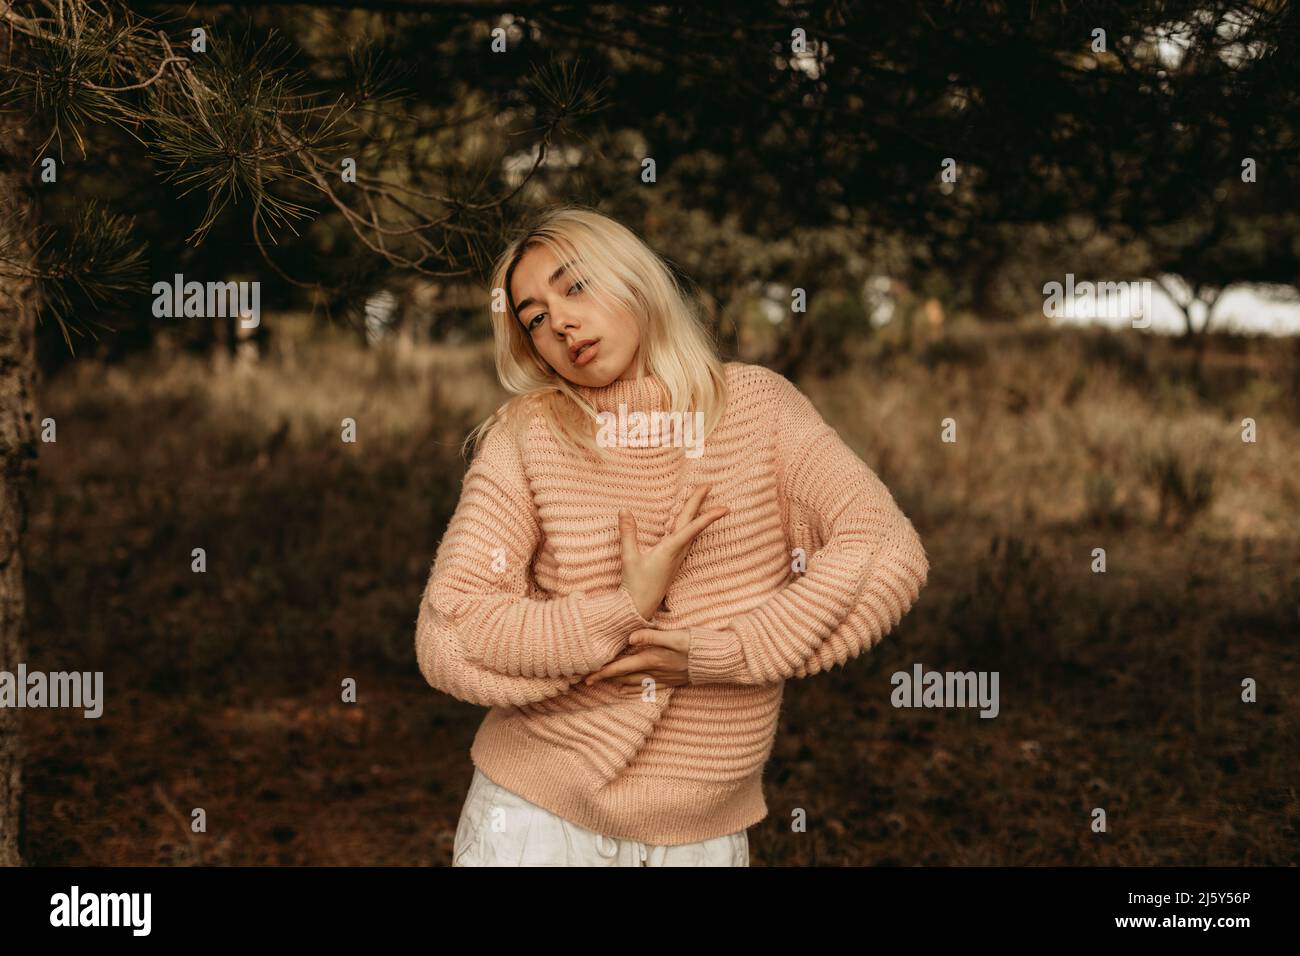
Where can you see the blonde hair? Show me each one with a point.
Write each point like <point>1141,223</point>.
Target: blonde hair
<point>621,271</point>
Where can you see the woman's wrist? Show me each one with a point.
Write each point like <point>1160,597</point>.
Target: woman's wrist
<point>639,602</point>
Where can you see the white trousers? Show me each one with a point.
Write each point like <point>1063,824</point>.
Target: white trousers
<point>500,828</point>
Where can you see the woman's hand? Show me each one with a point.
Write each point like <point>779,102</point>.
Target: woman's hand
<point>647,574</point>
<point>660,655</point>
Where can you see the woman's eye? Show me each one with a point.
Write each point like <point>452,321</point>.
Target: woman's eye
<point>532,323</point>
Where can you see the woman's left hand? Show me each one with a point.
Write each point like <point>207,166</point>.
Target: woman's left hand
<point>659,655</point>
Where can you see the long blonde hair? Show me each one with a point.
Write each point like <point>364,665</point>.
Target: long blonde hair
<point>616,266</point>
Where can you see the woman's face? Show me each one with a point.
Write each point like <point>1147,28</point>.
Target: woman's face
<point>559,315</point>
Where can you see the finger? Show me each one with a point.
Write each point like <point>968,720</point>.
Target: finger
<point>691,506</point>
<point>685,534</point>
<point>597,675</point>
<point>661,683</point>
<point>645,636</point>
<point>637,680</point>
<point>634,683</point>
<point>625,665</point>
<point>675,639</point>
<point>627,537</point>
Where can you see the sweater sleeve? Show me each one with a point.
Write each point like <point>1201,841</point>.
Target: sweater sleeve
<point>480,636</point>
<point>855,588</point>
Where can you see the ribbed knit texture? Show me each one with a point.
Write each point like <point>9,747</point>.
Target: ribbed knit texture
<point>524,600</point>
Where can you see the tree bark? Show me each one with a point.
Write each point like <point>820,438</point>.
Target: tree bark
<point>18,306</point>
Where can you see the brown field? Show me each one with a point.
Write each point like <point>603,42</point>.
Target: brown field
<point>1119,690</point>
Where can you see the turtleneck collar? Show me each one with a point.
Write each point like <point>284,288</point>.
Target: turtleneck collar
<point>638,394</point>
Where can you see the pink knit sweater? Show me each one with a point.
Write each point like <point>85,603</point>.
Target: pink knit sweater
<point>524,599</point>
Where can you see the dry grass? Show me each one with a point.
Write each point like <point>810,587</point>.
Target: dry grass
<point>1118,690</point>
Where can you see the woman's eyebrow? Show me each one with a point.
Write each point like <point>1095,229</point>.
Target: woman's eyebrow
<point>551,281</point>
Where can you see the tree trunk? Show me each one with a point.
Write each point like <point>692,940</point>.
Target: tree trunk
<point>18,305</point>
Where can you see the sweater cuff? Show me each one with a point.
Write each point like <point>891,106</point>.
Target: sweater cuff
<point>608,621</point>
<point>714,657</point>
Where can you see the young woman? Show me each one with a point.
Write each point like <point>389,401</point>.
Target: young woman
<point>649,542</point>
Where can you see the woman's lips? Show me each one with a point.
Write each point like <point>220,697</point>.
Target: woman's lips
<point>587,354</point>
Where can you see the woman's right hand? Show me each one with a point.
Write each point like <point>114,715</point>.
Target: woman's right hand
<point>647,574</point>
